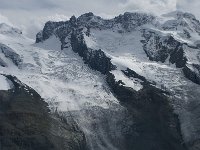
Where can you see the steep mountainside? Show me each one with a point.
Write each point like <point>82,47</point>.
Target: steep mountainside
<point>26,124</point>
<point>131,82</point>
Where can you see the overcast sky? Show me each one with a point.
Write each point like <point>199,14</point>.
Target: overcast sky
<point>30,15</point>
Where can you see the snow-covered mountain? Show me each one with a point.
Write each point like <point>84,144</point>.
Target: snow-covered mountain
<point>131,82</point>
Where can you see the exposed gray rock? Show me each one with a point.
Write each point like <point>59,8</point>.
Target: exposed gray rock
<point>159,48</point>
<point>96,59</point>
<point>11,54</point>
<point>192,72</point>
<point>2,63</point>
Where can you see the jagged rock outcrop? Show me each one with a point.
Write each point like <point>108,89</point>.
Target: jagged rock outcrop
<point>177,57</point>
<point>96,59</point>
<point>130,73</point>
<point>11,54</point>
<point>27,124</point>
<point>159,48</point>
<point>192,72</point>
<point>130,21</point>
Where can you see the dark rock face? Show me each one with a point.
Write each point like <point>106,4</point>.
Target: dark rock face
<point>26,123</point>
<point>192,74</point>
<point>160,48</point>
<point>49,29</point>
<point>155,123</point>
<point>177,57</point>
<point>130,21</point>
<point>11,54</point>
<point>73,21</point>
<point>39,37</point>
<point>99,61</point>
<point>130,73</point>
<point>96,59</point>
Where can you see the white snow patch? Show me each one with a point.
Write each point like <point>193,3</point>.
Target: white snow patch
<point>129,82</point>
<point>4,83</point>
<point>53,43</point>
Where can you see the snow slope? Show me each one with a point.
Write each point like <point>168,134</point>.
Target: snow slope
<point>5,84</point>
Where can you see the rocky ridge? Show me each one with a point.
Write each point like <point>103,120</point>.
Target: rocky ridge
<point>158,47</point>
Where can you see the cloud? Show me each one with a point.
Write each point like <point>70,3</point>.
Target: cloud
<point>189,6</point>
<point>4,19</point>
<point>153,6</point>
<point>27,4</point>
<point>30,15</point>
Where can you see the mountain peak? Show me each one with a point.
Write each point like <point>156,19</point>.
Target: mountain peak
<point>73,20</point>
<point>89,14</point>
<point>134,15</point>
<point>89,17</point>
